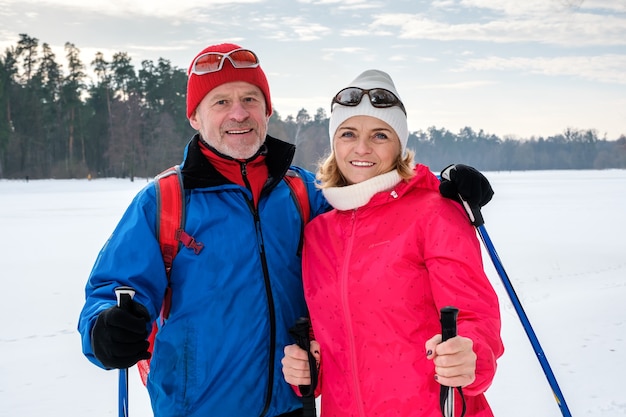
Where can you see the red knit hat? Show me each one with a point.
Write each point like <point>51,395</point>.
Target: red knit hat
<point>199,86</point>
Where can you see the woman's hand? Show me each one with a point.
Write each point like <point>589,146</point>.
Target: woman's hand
<point>296,363</point>
<point>454,359</point>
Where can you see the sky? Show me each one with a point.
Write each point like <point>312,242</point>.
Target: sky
<point>563,254</point>
<point>512,68</point>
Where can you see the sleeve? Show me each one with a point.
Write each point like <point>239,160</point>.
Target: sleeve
<point>454,262</point>
<point>318,202</point>
<point>130,257</point>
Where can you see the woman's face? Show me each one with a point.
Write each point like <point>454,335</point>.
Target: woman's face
<point>364,148</point>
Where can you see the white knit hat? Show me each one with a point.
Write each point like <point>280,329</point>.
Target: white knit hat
<point>393,116</point>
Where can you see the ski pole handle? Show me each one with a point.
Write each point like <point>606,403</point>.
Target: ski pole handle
<point>124,296</point>
<point>448,322</point>
<point>300,332</point>
<point>448,331</point>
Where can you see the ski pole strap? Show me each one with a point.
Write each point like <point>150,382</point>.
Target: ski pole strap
<point>300,331</point>
<point>446,394</point>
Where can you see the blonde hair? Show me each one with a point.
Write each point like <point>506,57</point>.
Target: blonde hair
<point>328,173</point>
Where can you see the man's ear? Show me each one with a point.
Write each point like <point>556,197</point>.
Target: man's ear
<point>193,120</point>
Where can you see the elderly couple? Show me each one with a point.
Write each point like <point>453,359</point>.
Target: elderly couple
<point>383,253</point>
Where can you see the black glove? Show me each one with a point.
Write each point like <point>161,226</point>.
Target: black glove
<point>463,183</point>
<point>119,337</point>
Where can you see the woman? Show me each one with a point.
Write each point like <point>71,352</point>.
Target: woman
<point>379,267</point>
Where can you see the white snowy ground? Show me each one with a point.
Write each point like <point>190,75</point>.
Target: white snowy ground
<point>560,236</point>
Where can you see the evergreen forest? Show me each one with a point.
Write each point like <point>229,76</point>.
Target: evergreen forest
<point>57,122</point>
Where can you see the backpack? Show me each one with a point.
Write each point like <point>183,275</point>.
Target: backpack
<point>171,233</point>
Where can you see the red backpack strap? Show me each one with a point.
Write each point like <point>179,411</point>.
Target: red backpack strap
<point>170,213</point>
<point>298,191</point>
<point>143,366</point>
<point>301,198</point>
<point>170,221</point>
<point>171,224</point>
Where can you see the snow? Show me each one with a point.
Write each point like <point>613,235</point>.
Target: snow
<point>559,235</point>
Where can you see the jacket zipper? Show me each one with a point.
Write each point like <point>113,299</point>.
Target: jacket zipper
<point>268,293</point>
<point>346,308</point>
<point>272,318</point>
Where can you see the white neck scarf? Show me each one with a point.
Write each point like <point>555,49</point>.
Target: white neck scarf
<point>356,195</point>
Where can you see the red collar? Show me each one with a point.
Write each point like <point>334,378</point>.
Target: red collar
<point>251,174</point>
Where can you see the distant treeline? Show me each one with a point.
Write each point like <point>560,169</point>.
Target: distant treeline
<point>57,123</point>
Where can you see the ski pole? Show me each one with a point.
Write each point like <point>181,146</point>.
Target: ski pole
<point>532,337</point>
<point>300,331</point>
<point>124,295</point>
<point>448,331</point>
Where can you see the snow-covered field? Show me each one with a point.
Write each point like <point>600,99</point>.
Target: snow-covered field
<point>560,236</point>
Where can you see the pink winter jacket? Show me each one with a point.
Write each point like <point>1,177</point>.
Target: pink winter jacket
<point>375,279</point>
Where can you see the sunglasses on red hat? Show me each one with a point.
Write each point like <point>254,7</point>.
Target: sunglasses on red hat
<point>379,98</point>
<point>214,61</point>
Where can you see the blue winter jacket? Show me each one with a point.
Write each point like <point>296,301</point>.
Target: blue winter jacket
<point>219,352</point>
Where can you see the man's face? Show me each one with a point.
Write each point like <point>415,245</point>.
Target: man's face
<point>233,119</point>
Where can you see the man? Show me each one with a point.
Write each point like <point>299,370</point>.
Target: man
<point>232,303</point>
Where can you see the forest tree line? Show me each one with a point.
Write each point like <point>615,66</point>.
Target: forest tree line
<point>56,122</point>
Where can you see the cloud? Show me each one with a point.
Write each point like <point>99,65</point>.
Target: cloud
<point>513,23</point>
<point>329,54</point>
<point>364,33</point>
<point>540,7</point>
<point>129,8</point>
<point>346,4</point>
<point>522,8</point>
<point>443,4</point>
<point>292,28</point>
<point>609,5</point>
<point>465,85</point>
<point>398,58</point>
<point>607,68</point>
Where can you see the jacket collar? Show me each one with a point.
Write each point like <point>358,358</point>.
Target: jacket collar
<point>380,189</point>
<point>198,172</point>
